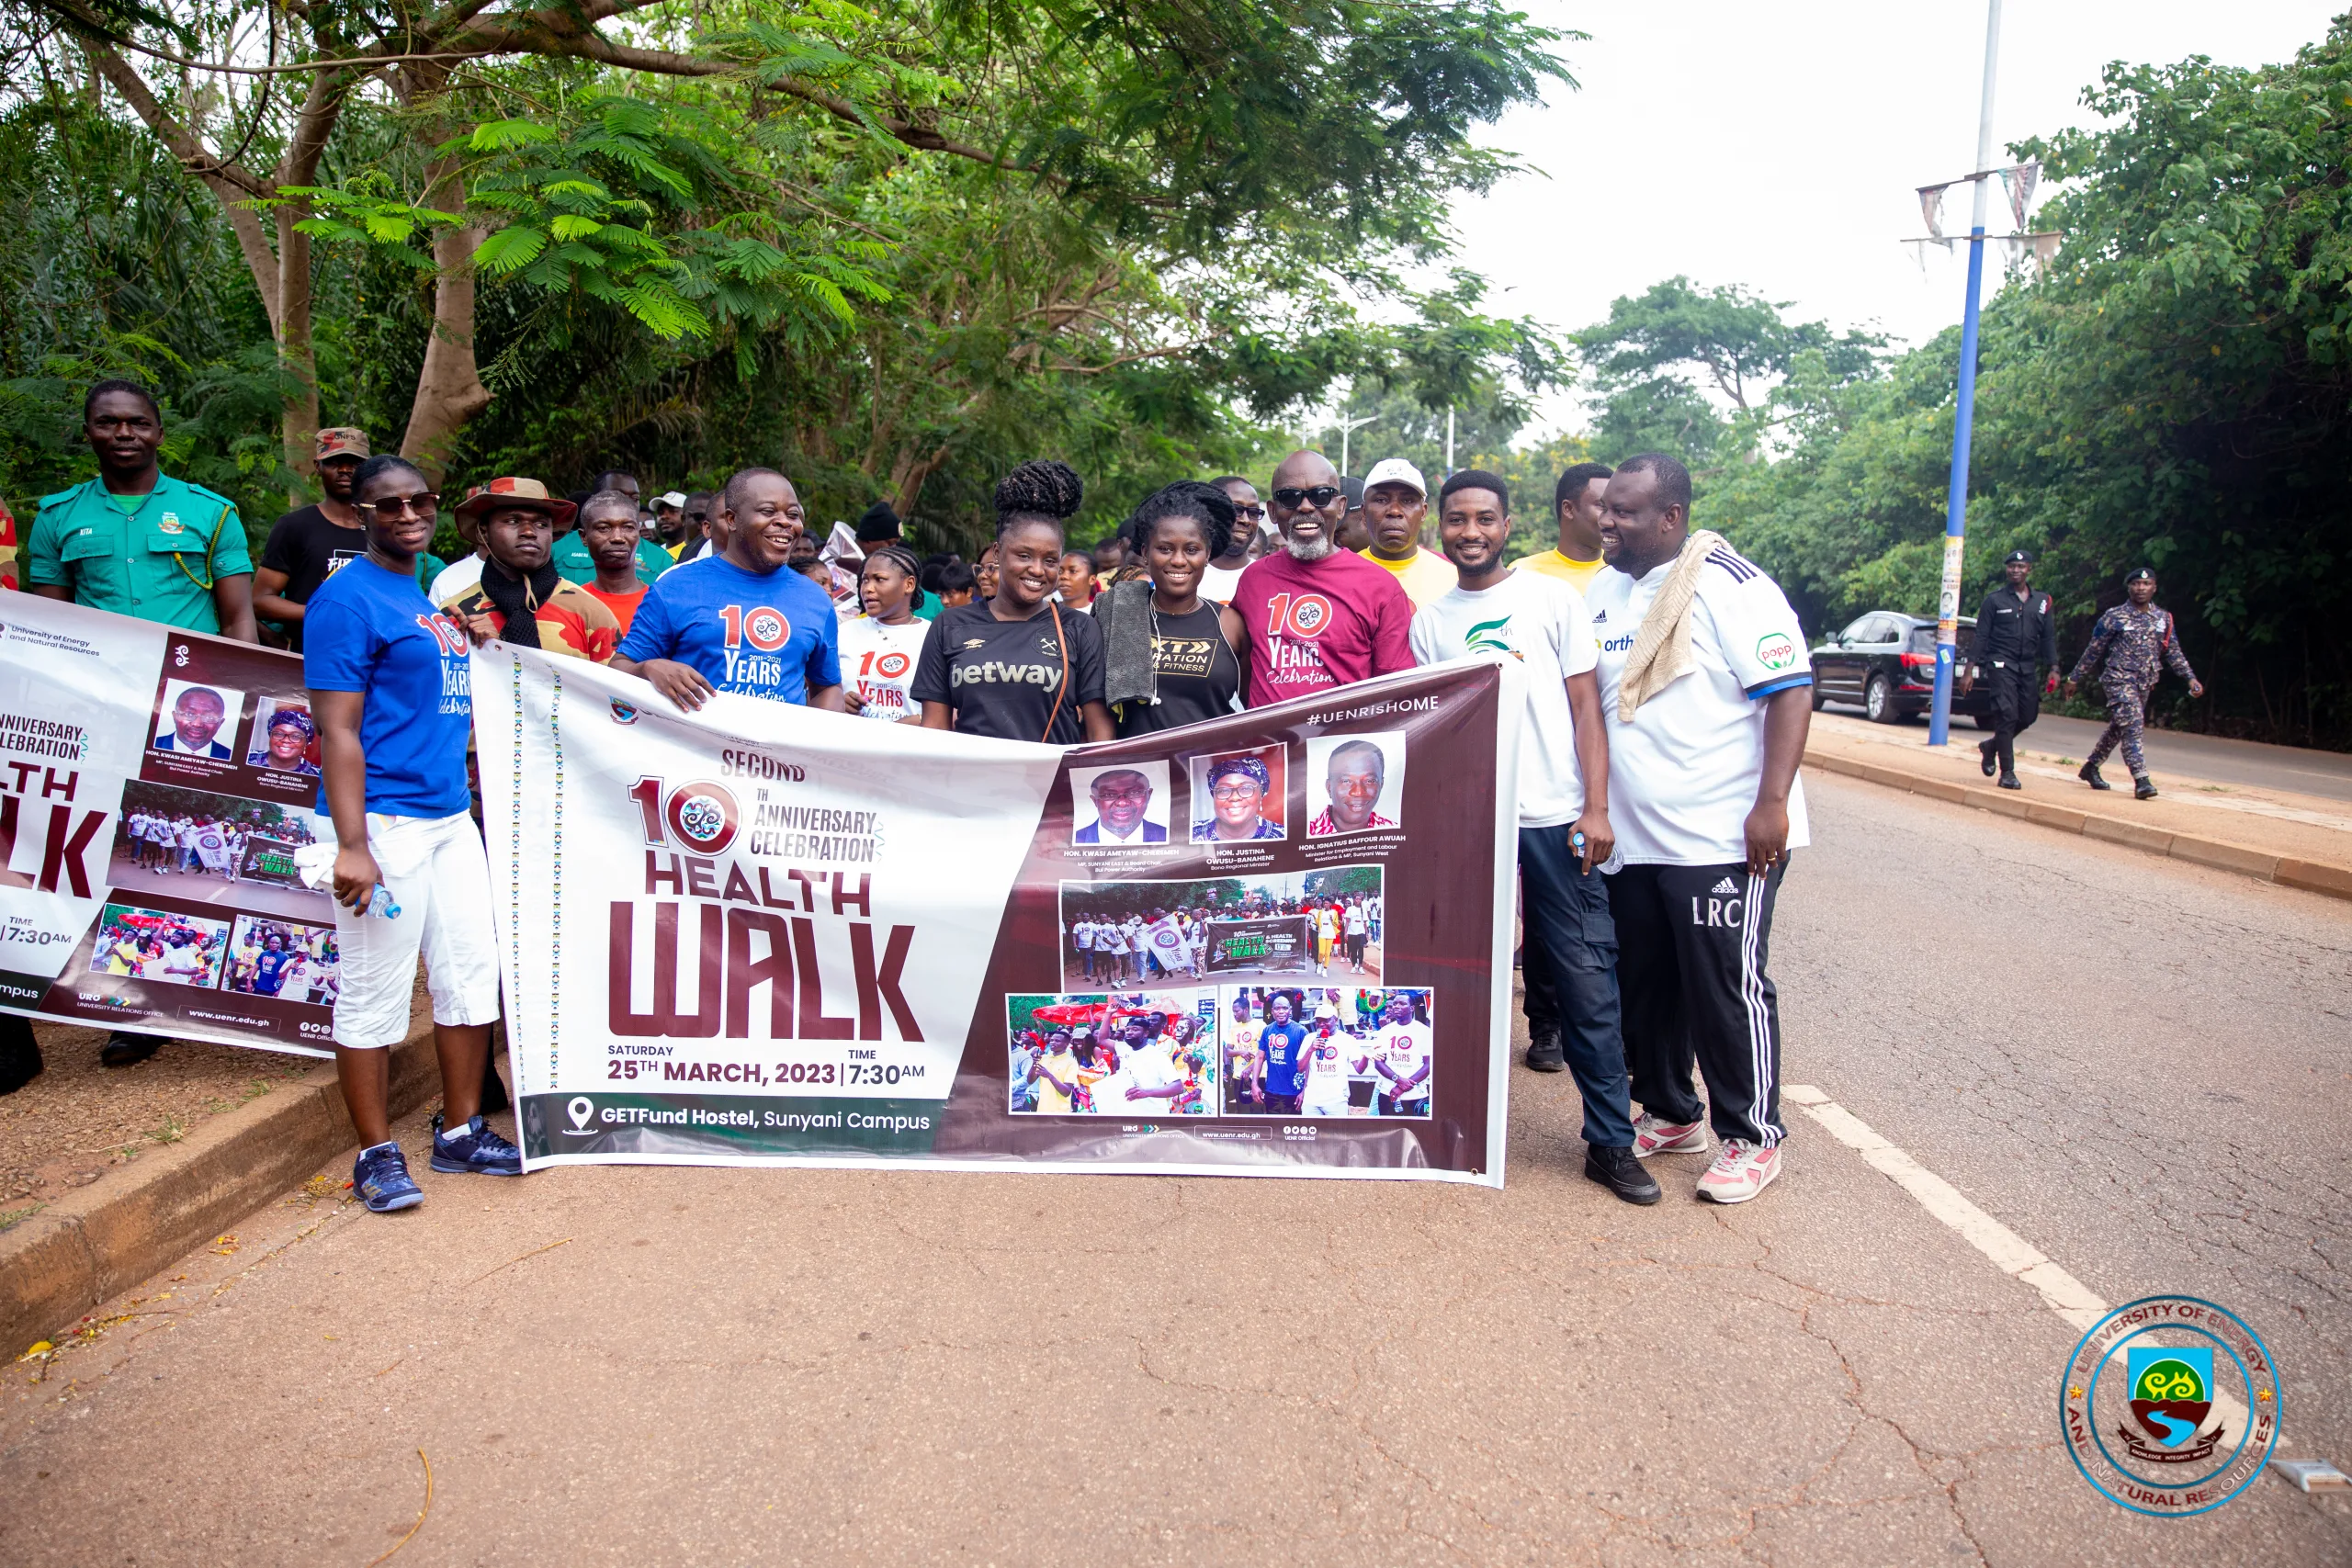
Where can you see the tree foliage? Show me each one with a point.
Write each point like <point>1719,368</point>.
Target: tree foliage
<point>2177,392</point>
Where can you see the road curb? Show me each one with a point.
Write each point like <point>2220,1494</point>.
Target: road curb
<point>94,1243</point>
<point>2311,876</point>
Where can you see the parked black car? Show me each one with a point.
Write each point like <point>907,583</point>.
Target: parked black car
<point>1886,662</point>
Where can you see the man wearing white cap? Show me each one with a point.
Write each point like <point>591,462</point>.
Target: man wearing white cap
<point>1395,503</point>
<point>1332,1058</point>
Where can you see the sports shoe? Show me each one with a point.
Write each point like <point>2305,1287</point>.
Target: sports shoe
<point>2143,788</point>
<point>474,1146</point>
<point>2089,775</point>
<point>1618,1170</point>
<point>1544,1051</point>
<point>1984,755</point>
<point>2009,781</point>
<point>380,1178</point>
<point>1741,1171</point>
<point>1652,1136</point>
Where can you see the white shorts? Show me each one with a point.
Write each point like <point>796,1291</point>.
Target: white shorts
<point>436,872</point>
<point>1330,1107</point>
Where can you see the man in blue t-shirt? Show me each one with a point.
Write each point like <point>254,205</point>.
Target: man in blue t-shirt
<point>743,620</point>
<point>1282,1052</point>
<point>269,969</point>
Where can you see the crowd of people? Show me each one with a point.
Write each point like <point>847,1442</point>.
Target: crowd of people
<point>1145,946</point>
<point>178,843</point>
<point>1657,798</point>
<point>145,945</point>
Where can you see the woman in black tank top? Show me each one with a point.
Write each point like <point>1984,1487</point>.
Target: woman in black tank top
<point>1182,663</point>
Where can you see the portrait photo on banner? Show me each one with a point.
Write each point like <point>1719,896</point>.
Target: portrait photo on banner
<point>1326,1053</point>
<point>1129,1055</point>
<point>1125,805</point>
<point>285,738</point>
<point>1355,784</point>
<point>1240,796</point>
<point>198,720</point>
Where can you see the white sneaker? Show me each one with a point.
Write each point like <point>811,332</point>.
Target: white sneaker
<point>1741,1171</point>
<point>1652,1136</point>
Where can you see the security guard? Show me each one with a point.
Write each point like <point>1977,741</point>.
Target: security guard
<point>2132,645</point>
<point>137,542</point>
<point>2017,637</point>
<point>142,545</point>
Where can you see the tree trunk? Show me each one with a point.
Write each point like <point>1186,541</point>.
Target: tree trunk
<point>299,420</point>
<point>909,473</point>
<point>449,392</point>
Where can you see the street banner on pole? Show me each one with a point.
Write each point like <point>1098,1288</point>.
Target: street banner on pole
<point>155,788</point>
<point>763,934</point>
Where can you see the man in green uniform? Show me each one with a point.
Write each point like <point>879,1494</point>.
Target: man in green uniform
<point>135,541</point>
<point>572,557</point>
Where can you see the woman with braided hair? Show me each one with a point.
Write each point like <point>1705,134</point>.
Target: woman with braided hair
<point>1018,665</point>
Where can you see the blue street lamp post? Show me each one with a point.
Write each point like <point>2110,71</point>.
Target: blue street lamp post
<point>1964,414</point>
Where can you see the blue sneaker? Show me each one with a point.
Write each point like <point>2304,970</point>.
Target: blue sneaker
<point>474,1146</point>
<point>380,1178</point>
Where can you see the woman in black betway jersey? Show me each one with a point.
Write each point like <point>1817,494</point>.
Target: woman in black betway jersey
<point>1019,666</point>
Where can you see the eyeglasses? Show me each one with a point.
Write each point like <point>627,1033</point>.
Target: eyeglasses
<point>1319,498</point>
<point>1237,792</point>
<point>425,504</point>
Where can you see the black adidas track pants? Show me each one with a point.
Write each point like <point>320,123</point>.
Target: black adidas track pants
<point>1691,946</point>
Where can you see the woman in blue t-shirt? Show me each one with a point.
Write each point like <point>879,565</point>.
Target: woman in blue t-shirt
<point>1018,665</point>
<point>390,689</point>
<point>742,620</point>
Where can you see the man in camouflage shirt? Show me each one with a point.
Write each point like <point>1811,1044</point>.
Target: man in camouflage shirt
<point>2132,645</point>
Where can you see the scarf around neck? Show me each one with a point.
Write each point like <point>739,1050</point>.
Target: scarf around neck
<point>516,598</point>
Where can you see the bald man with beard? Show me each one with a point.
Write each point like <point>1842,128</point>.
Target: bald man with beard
<point>1318,618</point>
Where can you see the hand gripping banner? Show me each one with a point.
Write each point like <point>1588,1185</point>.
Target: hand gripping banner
<point>761,934</point>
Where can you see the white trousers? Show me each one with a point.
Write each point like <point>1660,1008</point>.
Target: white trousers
<point>436,872</point>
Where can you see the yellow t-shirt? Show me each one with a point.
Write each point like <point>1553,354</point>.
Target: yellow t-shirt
<point>1576,574</point>
<point>1052,1101</point>
<point>1428,576</point>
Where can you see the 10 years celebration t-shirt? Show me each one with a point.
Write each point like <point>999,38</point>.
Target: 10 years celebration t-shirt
<point>373,631</point>
<point>1314,627</point>
<point>769,635</point>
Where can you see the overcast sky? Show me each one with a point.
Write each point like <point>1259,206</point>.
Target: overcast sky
<point>1780,146</point>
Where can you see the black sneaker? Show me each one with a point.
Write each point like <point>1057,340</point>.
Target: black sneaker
<point>2089,775</point>
<point>1984,755</point>
<point>124,1049</point>
<point>21,1060</point>
<point>1618,1170</point>
<point>2009,781</point>
<point>1544,1053</point>
<point>474,1146</point>
<point>2143,788</point>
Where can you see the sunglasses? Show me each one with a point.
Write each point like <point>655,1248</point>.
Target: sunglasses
<point>1251,512</point>
<point>425,504</point>
<point>1319,498</point>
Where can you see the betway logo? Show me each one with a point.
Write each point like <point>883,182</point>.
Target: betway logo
<point>992,672</point>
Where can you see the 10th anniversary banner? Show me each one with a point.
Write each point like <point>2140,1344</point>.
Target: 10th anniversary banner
<point>1273,944</point>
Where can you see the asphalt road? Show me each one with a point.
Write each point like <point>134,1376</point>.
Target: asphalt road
<point>2326,774</point>
<point>2142,1067</point>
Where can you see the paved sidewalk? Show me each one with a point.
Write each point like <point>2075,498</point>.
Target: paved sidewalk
<point>2219,824</point>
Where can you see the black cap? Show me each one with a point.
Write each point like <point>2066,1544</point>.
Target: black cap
<point>2139,572</point>
<point>2018,558</point>
<point>879,521</point>
<point>1353,487</point>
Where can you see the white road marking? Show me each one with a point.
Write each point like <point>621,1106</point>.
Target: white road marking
<point>2009,1252</point>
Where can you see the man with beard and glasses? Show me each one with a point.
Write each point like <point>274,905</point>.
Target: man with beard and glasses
<point>1318,618</point>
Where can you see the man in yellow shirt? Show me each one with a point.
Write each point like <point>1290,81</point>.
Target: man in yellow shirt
<point>1057,1073</point>
<point>1577,499</point>
<point>1394,504</point>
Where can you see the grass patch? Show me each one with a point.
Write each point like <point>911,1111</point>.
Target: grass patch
<point>11,1218</point>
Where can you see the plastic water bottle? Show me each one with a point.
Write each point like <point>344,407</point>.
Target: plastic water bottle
<point>381,902</point>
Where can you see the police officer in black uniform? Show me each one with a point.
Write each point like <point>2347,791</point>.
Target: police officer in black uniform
<point>2017,640</point>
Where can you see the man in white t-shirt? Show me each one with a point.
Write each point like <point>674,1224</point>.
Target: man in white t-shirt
<point>1081,937</point>
<point>1332,1058</point>
<point>1707,805</point>
<point>1564,795</point>
<point>1149,1080</point>
<point>1403,1053</point>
